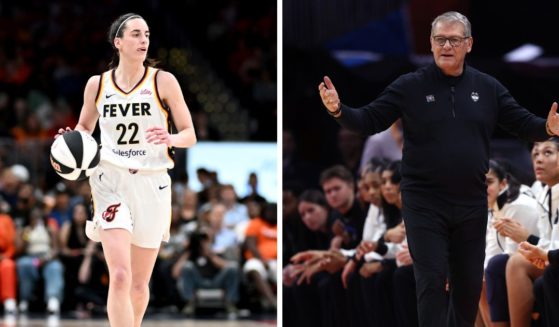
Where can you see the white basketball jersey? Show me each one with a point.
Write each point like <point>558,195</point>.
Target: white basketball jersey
<point>124,119</point>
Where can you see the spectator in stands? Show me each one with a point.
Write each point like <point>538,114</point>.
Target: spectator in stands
<point>294,230</point>
<point>384,145</point>
<point>39,248</point>
<point>62,212</point>
<point>224,241</point>
<point>7,264</point>
<point>350,147</point>
<point>262,246</point>
<point>30,130</point>
<point>253,194</point>
<point>26,201</point>
<point>163,281</point>
<point>339,187</point>
<point>9,186</point>
<point>202,268</point>
<point>376,255</point>
<point>73,242</point>
<point>204,130</point>
<point>81,194</point>
<point>203,176</point>
<point>375,225</point>
<point>236,214</point>
<point>316,216</point>
<point>93,277</point>
<point>300,299</point>
<point>189,208</point>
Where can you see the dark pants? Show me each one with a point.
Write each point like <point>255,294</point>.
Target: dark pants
<point>227,279</point>
<point>163,284</point>
<point>539,304</point>
<point>496,285</point>
<point>301,305</point>
<point>354,298</point>
<point>445,241</point>
<point>550,291</point>
<point>405,298</point>
<point>377,296</point>
<point>333,300</point>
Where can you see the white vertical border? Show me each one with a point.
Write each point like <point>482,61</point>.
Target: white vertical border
<point>279,113</point>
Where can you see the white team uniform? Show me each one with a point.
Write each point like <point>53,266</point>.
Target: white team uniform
<point>131,188</point>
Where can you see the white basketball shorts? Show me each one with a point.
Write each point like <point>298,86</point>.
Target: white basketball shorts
<point>138,201</point>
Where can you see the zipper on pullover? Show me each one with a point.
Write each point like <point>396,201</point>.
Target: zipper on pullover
<point>452,99</point>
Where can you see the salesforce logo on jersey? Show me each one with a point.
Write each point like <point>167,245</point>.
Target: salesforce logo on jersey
<point>129,153</point>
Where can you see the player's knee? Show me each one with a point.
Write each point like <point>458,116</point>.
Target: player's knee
<point>121,278</point>
<point>497,265</point>
<point>517,264</point>
<point>140,288</point>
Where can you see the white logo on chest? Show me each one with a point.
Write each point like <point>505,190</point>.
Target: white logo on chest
<point>430,98</point>
<point>475,96</point>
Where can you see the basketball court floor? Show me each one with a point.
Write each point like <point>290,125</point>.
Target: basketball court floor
<point>150,322</point>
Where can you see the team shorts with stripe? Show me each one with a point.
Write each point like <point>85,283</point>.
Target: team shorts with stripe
<point>138,201</point>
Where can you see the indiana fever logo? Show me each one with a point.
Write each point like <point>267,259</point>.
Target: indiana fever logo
<point>55,165</point>
<point>110,213</point>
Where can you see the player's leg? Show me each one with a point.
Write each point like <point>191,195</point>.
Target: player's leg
<point>496,287</point>
<point>151,208</point>
<point>520,285</point>
<point>116,247</point>
<point>551,292</point>
<point>143,261</point>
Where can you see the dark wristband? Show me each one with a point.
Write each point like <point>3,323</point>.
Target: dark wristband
<point>337,112</point>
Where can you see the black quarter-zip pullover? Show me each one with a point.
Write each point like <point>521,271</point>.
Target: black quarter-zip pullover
<point>448,123</point>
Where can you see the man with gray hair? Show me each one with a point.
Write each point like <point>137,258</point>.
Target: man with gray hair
<point>449,111</point>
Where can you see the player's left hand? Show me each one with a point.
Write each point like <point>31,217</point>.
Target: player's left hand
<point>553,120</point>
<point>158,135</point>
<point>62,131</point>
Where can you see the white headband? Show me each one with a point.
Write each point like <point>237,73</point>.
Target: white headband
<point>124,21</point>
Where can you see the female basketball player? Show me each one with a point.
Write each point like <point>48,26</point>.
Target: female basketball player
<point>131,189</point>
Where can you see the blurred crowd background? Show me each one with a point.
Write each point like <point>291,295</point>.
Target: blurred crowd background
<point>224,55</point>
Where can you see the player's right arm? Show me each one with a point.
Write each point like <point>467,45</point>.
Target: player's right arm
<point>89,114</point>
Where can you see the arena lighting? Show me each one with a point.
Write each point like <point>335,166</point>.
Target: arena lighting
<point>524,53</point>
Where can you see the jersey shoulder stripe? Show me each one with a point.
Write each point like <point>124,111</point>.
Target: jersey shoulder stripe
<point>99,89</point>
<point>157,96</point>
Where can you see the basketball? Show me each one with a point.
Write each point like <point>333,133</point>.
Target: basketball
<point>74,155</point>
